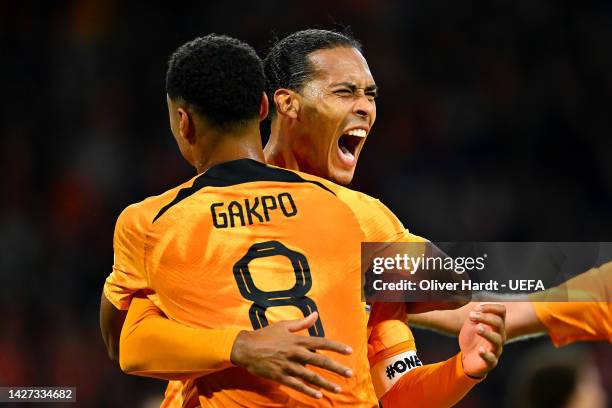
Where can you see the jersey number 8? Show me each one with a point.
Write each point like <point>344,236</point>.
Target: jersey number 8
<point>262,300</point>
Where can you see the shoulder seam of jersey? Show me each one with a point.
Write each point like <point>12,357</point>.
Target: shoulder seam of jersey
<point>237,172</point>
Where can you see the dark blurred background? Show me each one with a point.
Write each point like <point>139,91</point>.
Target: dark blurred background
<point>493,124</point>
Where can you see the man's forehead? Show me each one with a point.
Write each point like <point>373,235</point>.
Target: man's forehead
<point>341,64</point>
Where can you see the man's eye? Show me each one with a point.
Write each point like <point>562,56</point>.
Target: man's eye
<point>372,95</point>
<point>342,92</point>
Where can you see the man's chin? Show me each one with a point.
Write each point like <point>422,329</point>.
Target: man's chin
<point>344,177</point>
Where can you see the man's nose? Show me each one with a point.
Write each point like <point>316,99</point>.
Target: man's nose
<point>364,107</point>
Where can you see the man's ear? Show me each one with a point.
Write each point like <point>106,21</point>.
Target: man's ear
<point>287,103</point>
<point>263,107</point>
<point>186,126</point>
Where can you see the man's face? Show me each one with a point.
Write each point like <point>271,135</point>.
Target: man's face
<point>336,114</point>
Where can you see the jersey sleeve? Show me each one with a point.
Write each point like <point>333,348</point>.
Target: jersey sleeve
<point>378,223</point>
<point>398,375</point>
<point>128,273</point>
<point>153,346</point>
<point>390,340</point>
<point>438,385</point>
<point>387,329</point>
<point>589,318</point>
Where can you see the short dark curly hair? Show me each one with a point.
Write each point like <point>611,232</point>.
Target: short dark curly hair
<point>287,64</point>
<point>221,77</point>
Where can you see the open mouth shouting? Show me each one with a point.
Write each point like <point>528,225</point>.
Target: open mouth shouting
<point>349,145</point>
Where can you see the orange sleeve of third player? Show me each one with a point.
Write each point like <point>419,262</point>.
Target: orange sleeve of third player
<point>153,346</point>
<point>587,313</point>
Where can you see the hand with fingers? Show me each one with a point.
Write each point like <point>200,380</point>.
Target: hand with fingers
<point>482,338</point>
<point>277,353</point>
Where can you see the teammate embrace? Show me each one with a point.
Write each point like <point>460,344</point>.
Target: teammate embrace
<point>222,303</point>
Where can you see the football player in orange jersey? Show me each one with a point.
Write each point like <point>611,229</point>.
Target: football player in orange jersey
<point>322,112</point>
<point>203,102</point>
<point>579,309</point>
<point>335,155</point>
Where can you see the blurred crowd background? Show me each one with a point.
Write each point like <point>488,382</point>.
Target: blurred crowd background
<point>493,124</point>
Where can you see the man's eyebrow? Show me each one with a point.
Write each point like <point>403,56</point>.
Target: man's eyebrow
<point>353,87</point>
<point>349,85</point>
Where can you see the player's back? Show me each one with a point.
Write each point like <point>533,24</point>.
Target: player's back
<point>246,245</point>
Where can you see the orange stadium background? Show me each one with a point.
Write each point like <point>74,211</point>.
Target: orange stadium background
<point>493,125</point>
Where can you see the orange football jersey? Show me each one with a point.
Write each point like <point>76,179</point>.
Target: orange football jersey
<point>244,245</point>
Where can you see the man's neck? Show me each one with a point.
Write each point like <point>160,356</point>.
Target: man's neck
<point>277,151</point>
<point>222,148</point>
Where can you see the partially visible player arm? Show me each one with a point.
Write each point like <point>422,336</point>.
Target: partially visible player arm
<point>521,319</point>
<point>437,385</point>
<point>446,383</point>
<point>154,346</point>
<point>445,321</point>
<point>111,321</point>
<point>397,373</point>
<point>586,318</point>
